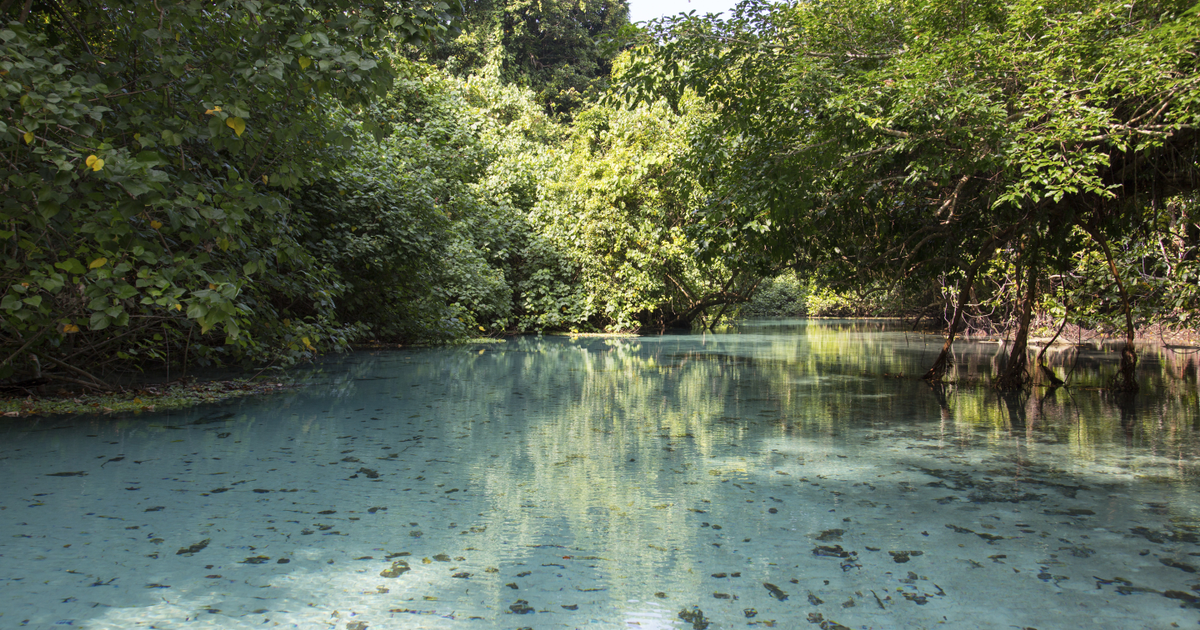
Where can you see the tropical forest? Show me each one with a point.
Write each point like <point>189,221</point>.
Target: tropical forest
<point>258,182</point>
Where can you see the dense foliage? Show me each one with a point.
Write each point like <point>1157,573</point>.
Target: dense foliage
<point>257,181</point>
<point>888,141</point>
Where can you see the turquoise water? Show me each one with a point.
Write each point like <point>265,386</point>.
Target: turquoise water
<point>787,474</point>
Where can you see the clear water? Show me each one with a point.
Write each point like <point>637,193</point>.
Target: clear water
<point>781,475</point>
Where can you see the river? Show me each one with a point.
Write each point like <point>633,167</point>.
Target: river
<point>785,473</point>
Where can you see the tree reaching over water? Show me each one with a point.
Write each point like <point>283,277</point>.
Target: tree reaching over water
<point>894,139</point>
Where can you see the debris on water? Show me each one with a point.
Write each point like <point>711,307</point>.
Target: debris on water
<point>775,591</point>
<point>900,557</point>
<point>723,596</point>
<point>750,613</point>
<point>1182,566</point>
<point>660,595</point>
<point>1189,600</point>
<point>695,616</point>
<point>189,550</point>
<point>463,575</point>
<point>814,600</point>
<point>570,606</point>
<point>831,535</point>
<point>825,624</point>
<point>441,557</point>
<point>1070,512</point>
<point>369,474</point>
<point>255,560</point>
<point>398,568</point>
<point>78,473</point>
<point>835,551</point>
<point>512,585</point>
<point>521,607</point>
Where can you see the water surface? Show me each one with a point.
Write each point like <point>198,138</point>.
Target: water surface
<point>785,474</point>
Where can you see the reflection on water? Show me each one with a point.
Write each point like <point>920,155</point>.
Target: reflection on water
<point>785,474</point>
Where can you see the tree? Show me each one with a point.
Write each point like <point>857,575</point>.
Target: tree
<point>146,158</point>
<point>563,51</point>
<point>892,139</point>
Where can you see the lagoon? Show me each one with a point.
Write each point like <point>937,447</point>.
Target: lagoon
<point>783,473</point>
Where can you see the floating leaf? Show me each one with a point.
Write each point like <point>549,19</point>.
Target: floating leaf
<point>236,124</point>
<point>99,262</point>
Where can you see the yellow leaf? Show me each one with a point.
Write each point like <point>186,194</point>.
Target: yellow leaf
<point>304,62</point>
<point>70,328</point>
<point>28,137</point>
<point>482,328</point>
<point>155,224</point>
<point>179,307</point>
<point>307,343</point>
<point>210,112</point>
<point>211,286</point>
<point>264,179</point>
<point>236,124</point>
<point>94,162</point>
<point>99,262</point>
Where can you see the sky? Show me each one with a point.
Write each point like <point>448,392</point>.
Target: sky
<point>643,10</point>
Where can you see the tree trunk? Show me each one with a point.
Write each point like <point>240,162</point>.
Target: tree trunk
<point>942,364</point>
<point>1041,357</point>
<point>1124,380</point>
<point>1016,373</point>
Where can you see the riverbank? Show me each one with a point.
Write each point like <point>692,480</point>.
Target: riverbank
<point>139,399</point>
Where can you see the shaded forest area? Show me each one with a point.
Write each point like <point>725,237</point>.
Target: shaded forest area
<point>258,182</point>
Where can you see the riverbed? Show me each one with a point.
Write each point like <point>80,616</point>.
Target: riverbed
<point>785,473</point>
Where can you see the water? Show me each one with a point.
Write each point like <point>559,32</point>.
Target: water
<point>787,474</point>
